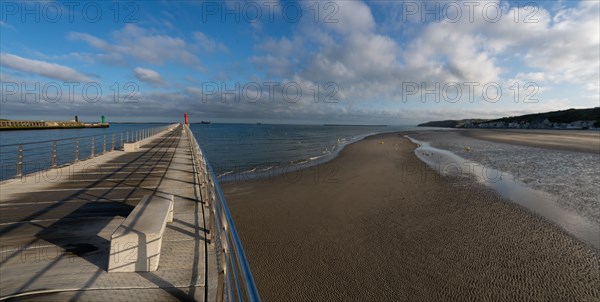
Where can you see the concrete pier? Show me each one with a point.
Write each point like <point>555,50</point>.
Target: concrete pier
<point>56,226</point>
<point>39,125</point>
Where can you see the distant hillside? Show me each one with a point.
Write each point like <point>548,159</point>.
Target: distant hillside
<point>563,119</point>
<point>562,116</point>
<point>451,123</point>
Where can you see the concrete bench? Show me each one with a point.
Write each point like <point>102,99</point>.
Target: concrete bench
<point>135,245</point>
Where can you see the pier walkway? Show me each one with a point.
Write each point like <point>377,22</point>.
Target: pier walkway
<point>56,226</point>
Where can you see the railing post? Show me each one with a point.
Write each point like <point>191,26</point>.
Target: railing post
<point>76,150</point>
<point>104,145</point>
<point>121,139</point>
<point>54,154</point>
<point>19,172</point>
<point>93,143</point>
<point>112,148</point>
<point>127,136</point>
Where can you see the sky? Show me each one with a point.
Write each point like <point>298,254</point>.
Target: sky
<point>306,62</point>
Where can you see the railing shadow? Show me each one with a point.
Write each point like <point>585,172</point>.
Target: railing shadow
<point>92,247</point>
<point>87,244</point>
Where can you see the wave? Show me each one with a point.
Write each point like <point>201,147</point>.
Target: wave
<point>302,152</point>
<point>225,173</point>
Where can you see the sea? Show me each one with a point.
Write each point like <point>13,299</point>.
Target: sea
<point>235,151</point>
<point>560,186</point>
<point>241,152</point>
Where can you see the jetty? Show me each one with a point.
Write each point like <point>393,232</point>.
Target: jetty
<point>144,219</point>
<point>40,125</point>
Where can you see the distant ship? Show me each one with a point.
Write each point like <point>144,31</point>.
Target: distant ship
<point>205,122</point>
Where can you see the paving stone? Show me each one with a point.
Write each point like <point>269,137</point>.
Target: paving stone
<point>55,234</point>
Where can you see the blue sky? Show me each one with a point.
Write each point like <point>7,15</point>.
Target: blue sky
<point>382,62</point>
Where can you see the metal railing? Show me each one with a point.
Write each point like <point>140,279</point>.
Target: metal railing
<point>18,160</point>
<point>235,278</point>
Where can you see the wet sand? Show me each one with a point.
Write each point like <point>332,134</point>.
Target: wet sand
<point>572,140</point>
<point>378,224</point>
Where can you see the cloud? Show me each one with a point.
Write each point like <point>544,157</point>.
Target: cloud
<point>370,64</point>
<point>209,45</point>
<point>278,57</point>
<point>148,76</point>
<point>91,40</point>
<point>563,46</point>
<point>348,17</point>
<point>350,53</point>
<point>4,24</point>
<point>49,70</point>
<point>136,42</point>
<point>368,55</point>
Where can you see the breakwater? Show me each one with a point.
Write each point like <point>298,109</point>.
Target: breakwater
<point>37,125</point>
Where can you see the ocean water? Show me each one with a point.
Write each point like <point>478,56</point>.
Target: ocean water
<point>240,152</point>
<point>236,151</point>
<point>38,144</point>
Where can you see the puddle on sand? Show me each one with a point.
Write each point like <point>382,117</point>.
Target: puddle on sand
<point>541,203</point>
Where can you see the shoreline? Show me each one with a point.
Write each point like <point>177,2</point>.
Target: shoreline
<point>377,223</point>
<point>569,140</point>
<point>232,177</point>
<point>544,205</point>
<point>556,212</point>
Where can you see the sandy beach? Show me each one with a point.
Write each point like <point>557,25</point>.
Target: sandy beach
<point>572,140</point>
<point>378,224</point>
